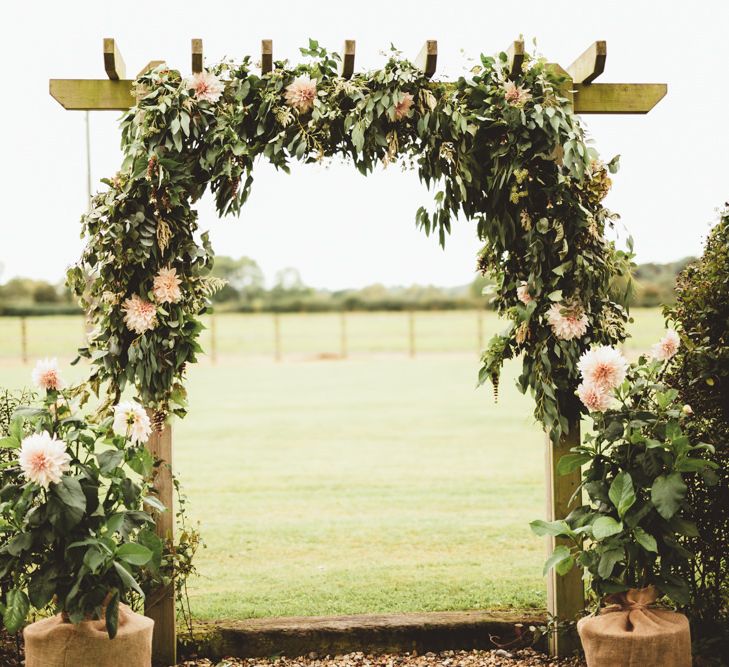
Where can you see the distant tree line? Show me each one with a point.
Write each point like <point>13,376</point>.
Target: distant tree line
<point>246,291</point>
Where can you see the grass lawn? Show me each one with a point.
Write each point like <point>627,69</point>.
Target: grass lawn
<point>377,483</point>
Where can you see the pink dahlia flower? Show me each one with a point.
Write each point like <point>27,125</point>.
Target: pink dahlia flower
<point>132,421</point>
<point>516,95</point>
<point>46,375</point>
<point>594,397</point>
<point>43,459</point>
<point>301,93</point>
<point>402,108</point>
<point>139,315</point>
<point>567,322</point>
<point>665,348</point>
<point>166,287</point>
<point>603,367</point>
<point>522,293</point>
<point>206,86</point>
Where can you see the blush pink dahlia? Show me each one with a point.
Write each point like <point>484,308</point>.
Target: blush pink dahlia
<point>46,375</point>
<point>166,287</point>
<point>206,86</point>
<point>522,293</point>
<point>132,421</point>
<point>139,315</point>
<point>43,459</point>
<point>665,348</point>
<point>567,322</point>
<point>402,108</point>
<point>603,367</point>
<point>301,93</point>
<point>516,95</point>
<point>594,397</point>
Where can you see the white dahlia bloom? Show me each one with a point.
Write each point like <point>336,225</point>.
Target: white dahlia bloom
<point>166,286</point>
<point>665,348</point>
<point>139,315</point>
<point>567,322</point>
<point>603,366</point>
<point>43,458</point>
<point>301,93</point>
<point>206,86</point>
<point>132,421</point>
<point>594,397</point>
<point>47,376</point>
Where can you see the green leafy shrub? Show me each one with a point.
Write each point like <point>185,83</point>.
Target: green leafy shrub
<point>637,461</point>
<point>76,536</point>
<point>701,376</point>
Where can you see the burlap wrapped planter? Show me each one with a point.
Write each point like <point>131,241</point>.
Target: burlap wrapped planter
<point>630,633</point>
<point>54,642</point>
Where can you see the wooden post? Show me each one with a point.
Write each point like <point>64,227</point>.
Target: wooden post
<point>411,333</point>
<point>23,340</point>
<point>479,330</point>
<point>276,337</point>
<point>343,334</point>
<point>160,604</point>
<point>213,340</point>
<point>565,593</point>
<point>266,56</point>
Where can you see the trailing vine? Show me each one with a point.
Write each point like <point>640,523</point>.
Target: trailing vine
<point>501,148</point>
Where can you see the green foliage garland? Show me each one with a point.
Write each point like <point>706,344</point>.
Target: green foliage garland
<point>503,149</point>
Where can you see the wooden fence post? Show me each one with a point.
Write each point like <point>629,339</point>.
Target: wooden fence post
<point>160,604</point>
<point>343,334</point>
<point>276,337</point>
<point>411,333</point>
<point>213,340</point>
<point>23,340</point>
<point>565,593</point>
<point>479,330</point>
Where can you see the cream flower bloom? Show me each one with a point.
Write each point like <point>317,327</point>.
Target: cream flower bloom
<point>43,459</point>
<point>665,348</point>
<point>522,293</point>
<point>207,86</point>
<point>572,323</point>
<point>603,367</point>
<point>594,397</point>
<point>402,108</point>
<point>139,315</point>
<point>47,376</point>
<point>167,286</point>
<point>132,421</point>
<point>516,95</point>
<point>301,93</point>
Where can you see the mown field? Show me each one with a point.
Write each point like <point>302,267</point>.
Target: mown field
<point>374,483</point>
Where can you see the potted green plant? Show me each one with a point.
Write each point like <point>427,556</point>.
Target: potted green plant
<point>77,530</point>
<point>627,534</point>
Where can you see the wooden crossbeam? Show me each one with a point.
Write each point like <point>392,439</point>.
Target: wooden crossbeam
<point>266,56</point>
<point>594,98</point>
<point>590,64</point>
<point>515,57</point>
<point>197,55</point>
<point>113,61</point>
<point>347,67</point>
<point>428,57</point>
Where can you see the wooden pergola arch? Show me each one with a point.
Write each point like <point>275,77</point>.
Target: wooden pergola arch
<point>565,594</point>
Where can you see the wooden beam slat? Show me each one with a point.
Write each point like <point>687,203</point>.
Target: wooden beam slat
<point>515,57</point>
<point>428,58</point>
<point>92,94</point>
<point>590,64</point>
<point>613,98</point>
<point>266,56</point>
<point>197,55</point>
<point>113,61</point>
<point>347,67</point>
<point>150,66</point>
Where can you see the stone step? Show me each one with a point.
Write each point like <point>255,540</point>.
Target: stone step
<point>368,633</point>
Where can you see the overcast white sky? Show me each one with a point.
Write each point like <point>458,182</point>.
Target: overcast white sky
<point>339,228</point>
